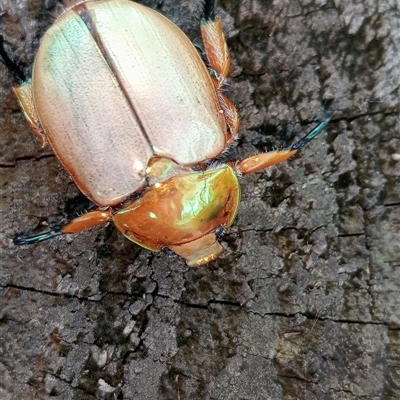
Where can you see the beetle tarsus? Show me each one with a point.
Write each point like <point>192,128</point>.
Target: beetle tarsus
<point>16,72</point>
<point>312,134</point>
<point>24,240</point>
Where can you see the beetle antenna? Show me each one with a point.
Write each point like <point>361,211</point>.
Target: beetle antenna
<point>12,66</point>
<point>21,241</point>
<point>311,135</point>
<point>208,10</point>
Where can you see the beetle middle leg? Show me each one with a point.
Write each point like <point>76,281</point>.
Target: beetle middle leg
<point>216,50</point>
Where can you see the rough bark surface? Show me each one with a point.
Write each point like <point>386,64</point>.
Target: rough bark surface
<point>304,302</point>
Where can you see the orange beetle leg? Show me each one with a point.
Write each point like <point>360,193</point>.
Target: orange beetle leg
<point>214,42</point>
<point>217,53</point>
<point>82,223</point>
<point>231,116</point>
<point>87,221</point>
<point>265,160</point>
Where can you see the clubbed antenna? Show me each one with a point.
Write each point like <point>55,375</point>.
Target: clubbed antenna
<point>311,135</point>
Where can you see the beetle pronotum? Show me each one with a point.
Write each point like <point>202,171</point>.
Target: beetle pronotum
<point>143,151</point>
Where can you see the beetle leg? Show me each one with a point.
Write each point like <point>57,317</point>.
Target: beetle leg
<point>265,160</point>
<point>216,50</point>
<point>231,116</point>
<point>79,224</point>
<point>25,98</point>
<point>214,42</point>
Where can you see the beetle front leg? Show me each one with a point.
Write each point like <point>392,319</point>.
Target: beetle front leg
<point>265,160</point>
<point>79,224</point>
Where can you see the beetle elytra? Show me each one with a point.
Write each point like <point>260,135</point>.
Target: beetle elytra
<point>143,150</point>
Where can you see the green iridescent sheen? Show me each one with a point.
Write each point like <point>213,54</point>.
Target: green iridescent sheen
<point>181,209</point>
<point>202,199</point>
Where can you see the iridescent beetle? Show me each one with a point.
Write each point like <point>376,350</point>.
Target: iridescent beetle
<point>137,120</point>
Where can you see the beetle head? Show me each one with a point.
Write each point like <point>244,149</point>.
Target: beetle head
<point>183,213</point>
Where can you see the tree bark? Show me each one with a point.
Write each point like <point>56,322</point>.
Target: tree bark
<point>304,301</point>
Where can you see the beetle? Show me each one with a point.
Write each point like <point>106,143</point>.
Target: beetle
<point>140,122</point>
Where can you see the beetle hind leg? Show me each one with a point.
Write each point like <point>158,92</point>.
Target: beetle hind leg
<point>214,42</point>
<point>217,53</point>
<point>79,224</point>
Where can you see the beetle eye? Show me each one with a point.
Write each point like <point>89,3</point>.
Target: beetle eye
<point>169,252</point>
<point>219,232</point>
